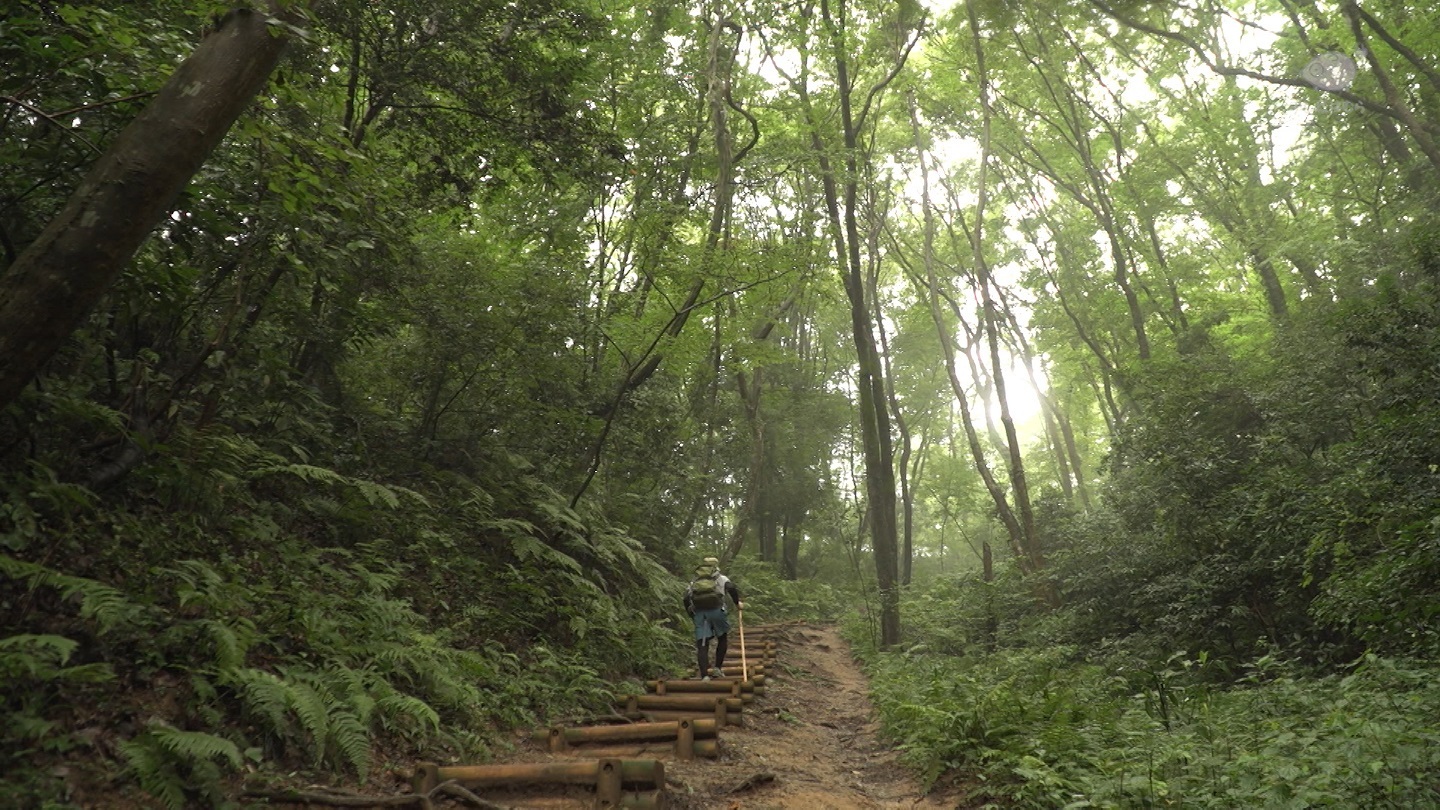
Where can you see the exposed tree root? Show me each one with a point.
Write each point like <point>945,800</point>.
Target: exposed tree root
<point>763,778</point>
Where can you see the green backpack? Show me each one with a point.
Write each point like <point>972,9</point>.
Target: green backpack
<point>706,591</point>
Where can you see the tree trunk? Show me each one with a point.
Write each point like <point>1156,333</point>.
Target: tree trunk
<point>930,290</point>
<point>790,550</point>
<point>1019,485</point>
<point>56,280</point>
<point>874,414</point>
<point>907,531</point>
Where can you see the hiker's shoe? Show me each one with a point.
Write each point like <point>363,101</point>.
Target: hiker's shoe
<point>704,677</point>
<point>716,673</point>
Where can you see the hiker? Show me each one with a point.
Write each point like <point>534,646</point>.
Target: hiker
<point>705,602</point>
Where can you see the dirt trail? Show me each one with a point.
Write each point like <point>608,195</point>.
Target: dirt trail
<point>816,732</point>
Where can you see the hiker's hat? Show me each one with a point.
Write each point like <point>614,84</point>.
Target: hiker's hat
<point>712,561</point>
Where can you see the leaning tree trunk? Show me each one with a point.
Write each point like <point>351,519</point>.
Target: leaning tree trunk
<point>57,279</point>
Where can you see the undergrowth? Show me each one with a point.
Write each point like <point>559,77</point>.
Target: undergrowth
<point>1048,726</point>
<point>769,597</point>
<point>242,615</point>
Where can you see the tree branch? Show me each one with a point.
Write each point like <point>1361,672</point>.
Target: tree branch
<point>1227,70</point>
<point>334,799</point>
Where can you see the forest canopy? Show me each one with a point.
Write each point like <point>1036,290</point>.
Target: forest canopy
<point>373,372</point>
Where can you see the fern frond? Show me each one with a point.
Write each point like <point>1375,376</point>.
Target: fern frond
<point>262,694</point>
<point>376,494</point>
<point>561,514</point>
<point>479,499</point>
<point>313,709</point>
<point>509,526</point>
<point>355,691</point>
<point>106,605</point>
<point>154,771</point>
<point>32,653</point>
<point>86,673</point>
<point>420,500</point>
<point>44,486</point>
<point>42,658</point>
<point>350,738</point>
<point>379,581</point>
<point>167,762</point>
<point>195,745</point>
<point>200,576</point>
<point>308,473</point>
<point>529,548</point>
<point>230,650</point>
<point>399,706</point>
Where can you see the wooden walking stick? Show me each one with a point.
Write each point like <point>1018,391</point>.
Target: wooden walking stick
<point>744,664</point>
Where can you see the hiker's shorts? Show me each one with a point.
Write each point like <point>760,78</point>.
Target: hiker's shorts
<point>709,623</point>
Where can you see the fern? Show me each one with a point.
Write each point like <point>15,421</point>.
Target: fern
<point>349,736</point>
<point>107,606</point>
<point>526,547</point>
<point>170,763</point>
<point>189,745</point>
<point>308,473</point>
<point>31,655</point>
<point>153,769</point>
<point>376,494</point>
<point>229,648</point>
<point>306,698</point>
<point>330,712</point>
<point>397,707</point>
<point>262,694</point>
<point>56,496</point>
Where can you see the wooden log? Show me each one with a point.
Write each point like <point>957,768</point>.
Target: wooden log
<point>735,671</point>
<point>702,749</point>
<point>752,660</point>
<point>753,663</point>
<point>685,738</point>
<point>663,686</point>
<point>757,668</point>
<point>694,701</point>
<point>641,773</point>
<point>559,738</point>
<point>609,789</point>
<point>645,800</point>
<point>726,686</point>
<point>658,715</point>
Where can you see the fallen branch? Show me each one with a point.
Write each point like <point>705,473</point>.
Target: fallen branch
<point>612,719</point>
<point>330,798</point>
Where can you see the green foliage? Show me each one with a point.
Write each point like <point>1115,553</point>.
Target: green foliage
<point>178,767</point>
<point>303,482</point>
<point>33,671</point>
<point>768,597</point>
<point>1044,729</point>
<point>1388,598</point>
<point>107,606</point>
<point>305,632</point>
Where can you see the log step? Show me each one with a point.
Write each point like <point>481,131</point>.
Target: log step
<point>638,783</point>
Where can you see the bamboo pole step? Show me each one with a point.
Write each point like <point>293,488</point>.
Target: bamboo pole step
<point>635,732</point>
<point>657,715</point>
<point>700,702</point>
<point>666,686</point>
<point>640,773</point>
<point>699,749</point>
